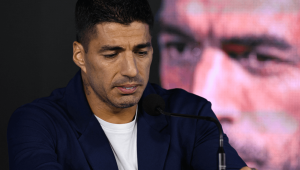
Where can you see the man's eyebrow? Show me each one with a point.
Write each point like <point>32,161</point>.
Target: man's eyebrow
<point>177,31</point>
<point>254,41</point>
<point>110,48</point>
<point>145,45</point>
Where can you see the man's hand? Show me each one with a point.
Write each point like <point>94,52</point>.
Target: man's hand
<point>247,168</point>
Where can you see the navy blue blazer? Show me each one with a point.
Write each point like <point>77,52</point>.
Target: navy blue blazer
<point>61,132</point>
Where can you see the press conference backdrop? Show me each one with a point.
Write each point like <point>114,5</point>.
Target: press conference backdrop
<point>230,52</point>
<point>243,56</point>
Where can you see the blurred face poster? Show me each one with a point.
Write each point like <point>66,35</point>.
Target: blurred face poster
<point>244,57</point>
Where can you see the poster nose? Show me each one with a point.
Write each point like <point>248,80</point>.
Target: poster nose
<point>214,79</point>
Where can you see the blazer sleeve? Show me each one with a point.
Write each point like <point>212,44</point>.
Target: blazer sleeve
<point>205,153</point>
<point>31,140</point>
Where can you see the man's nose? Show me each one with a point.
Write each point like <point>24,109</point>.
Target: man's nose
<point>218,78</point>
<point>129,65</point>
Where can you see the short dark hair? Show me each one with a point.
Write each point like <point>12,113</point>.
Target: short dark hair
<point>88,13</point>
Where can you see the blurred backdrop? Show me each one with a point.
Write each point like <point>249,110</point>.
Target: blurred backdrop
<point>242,55</point>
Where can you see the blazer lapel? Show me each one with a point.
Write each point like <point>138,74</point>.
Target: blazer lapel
<point>91,136</point>
<point>96,147</point>
<point>153,140</point>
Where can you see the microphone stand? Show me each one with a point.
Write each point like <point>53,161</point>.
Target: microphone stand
<point>221,152</point>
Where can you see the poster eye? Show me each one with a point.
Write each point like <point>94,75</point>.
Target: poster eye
<point>265,58</point>
<point>180,46</point>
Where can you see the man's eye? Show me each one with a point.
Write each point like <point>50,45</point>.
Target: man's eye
<point>110,55</point>
<point>142,53</point>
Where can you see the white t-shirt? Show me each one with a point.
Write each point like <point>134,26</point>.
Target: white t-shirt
<point>122,138</point>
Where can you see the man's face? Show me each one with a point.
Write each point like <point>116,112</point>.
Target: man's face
<point>117,63</point>
<point>243,56</point>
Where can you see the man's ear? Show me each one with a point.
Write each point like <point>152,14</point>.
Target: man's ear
<point>79,55</point>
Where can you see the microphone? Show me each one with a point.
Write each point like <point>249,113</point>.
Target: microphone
<point>154,105</point>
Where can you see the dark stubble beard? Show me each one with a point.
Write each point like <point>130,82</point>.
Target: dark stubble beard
<point>126,103</point>
<point>134,80</point>
<point>122,104</point>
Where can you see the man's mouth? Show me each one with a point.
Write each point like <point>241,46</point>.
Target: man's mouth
<point>128,88</point>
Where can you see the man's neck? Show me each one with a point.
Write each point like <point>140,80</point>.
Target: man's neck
<point>116,116</point>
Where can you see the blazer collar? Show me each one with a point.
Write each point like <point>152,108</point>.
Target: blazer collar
<point>152,137</point>
<point>78,108</point>
<point>91,136</point>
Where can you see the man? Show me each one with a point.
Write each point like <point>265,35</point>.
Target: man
<point>96,123</point>
<point>243,56</point>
